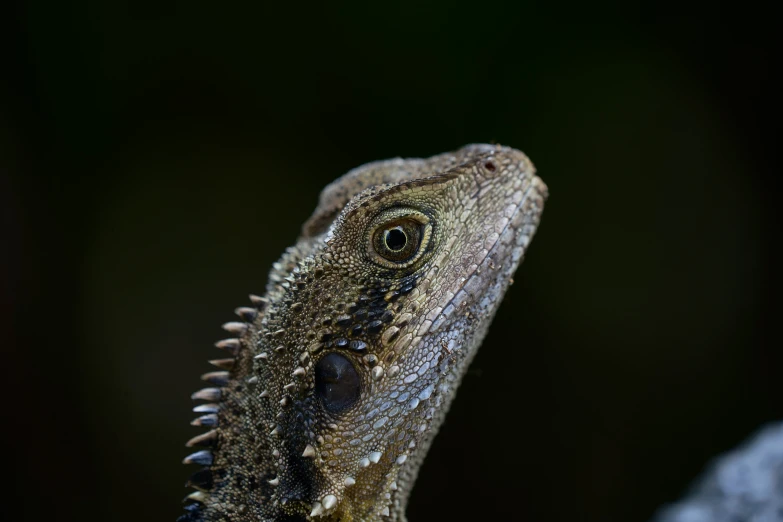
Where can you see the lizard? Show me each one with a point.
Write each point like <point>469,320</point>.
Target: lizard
<point>339,377</point>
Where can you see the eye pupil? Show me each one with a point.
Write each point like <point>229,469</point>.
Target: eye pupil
<point>396,239</point>
<point>336,382</point>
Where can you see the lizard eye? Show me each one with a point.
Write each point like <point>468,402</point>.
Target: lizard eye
<point>336,382</point>
<point>399,241</point>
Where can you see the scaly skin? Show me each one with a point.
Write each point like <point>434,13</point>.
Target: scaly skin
<point>340,377</point>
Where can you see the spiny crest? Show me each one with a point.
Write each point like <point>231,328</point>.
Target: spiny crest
<point>218,403</point>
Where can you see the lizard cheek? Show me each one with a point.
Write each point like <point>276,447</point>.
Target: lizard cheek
<point>337,382</point>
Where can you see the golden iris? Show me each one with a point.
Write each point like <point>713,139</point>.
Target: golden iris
<point>398,240</point>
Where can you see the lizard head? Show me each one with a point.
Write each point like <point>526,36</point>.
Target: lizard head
<point>342,380</point>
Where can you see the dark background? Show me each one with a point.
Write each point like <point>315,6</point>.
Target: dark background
<point>157,157</point>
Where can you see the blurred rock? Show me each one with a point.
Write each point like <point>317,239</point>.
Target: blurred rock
<point>745,485</point>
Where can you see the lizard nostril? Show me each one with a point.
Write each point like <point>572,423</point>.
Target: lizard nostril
<point>490,166</point>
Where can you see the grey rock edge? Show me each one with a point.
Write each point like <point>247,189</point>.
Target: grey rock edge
<point>745,485</point>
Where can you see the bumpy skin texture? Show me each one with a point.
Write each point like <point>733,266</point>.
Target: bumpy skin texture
<point>340,377</point>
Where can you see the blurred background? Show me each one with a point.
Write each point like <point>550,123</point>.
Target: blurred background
<point>157,157</point>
